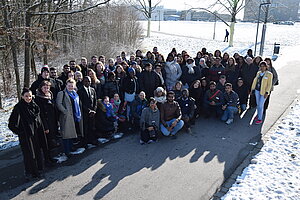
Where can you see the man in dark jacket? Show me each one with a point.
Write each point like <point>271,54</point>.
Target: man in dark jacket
<point>45,76</point>
<point>64,75</point>
<point>187,105</point>
<point>230,106</point>
<point>149,80</point>
<point>170,116</point>
<point>88,98</point>
<point>213,101</point>
<point>242,90</point>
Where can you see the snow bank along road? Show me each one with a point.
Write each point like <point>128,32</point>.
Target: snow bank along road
<point>274,173</point>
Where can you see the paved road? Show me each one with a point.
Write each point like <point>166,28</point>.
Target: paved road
<point>190,167</point>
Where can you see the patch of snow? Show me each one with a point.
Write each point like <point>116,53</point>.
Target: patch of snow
<point>274,172</point>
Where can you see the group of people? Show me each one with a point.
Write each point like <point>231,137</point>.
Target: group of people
<point>92,102</point>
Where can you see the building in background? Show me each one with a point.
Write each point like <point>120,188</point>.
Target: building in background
<point>280,10</point>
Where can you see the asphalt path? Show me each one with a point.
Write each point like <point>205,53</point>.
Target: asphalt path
<point>193,166</point>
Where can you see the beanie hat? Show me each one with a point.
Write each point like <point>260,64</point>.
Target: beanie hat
<point>45,69</point>
<point>130,69</point>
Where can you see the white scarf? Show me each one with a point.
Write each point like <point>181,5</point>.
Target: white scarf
<point>191,68</point>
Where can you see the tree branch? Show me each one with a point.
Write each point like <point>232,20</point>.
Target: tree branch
<point>210,13</point>
<point>71,12</point>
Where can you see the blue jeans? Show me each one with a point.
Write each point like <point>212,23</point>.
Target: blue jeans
<point>229,113</point>
<point>178,126</point>
<point>243,107</point>
<point>260,101</point>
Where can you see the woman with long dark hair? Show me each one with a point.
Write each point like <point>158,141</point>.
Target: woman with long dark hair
<point>261,86</point>
<point>25,121</point>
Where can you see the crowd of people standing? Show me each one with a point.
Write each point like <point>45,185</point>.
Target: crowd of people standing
<point>93,102</point>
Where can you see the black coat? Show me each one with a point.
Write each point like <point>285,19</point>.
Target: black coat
<point>190,78</point>
<point>242,93</point>
<point>248,72</point>
<point>25,121</point>
<point>130,85</point>
<point>149,81</point>
<point>110,88</point>
<point>48,114</point>
<point>107,124</point>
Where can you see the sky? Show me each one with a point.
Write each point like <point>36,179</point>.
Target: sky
<point>185,4</point>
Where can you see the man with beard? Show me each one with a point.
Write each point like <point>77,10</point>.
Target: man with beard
<point>213,100</point>
<point>170,116</point>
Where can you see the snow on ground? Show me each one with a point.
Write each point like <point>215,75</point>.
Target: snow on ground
<point>274,173</point>
<point>192,36</point>
<point>7,138</point>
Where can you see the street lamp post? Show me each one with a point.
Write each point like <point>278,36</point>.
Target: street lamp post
<point>263,35</point>
<point>259,9</point>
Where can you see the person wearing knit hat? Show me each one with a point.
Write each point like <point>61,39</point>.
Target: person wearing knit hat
<point>45,68</point>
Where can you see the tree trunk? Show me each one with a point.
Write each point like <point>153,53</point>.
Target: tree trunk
<point>231,34</point>
<point>148,28</point>
<point>13,50</point>
<point>27,47</point>
<point>32,62</point>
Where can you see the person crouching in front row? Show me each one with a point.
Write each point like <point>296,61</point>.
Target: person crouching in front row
<point>149,122</point>
<point>230,106</point>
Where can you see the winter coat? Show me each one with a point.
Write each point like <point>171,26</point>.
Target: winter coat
<point>110,88</point>
<point>187,106</point>
<point>149,81</point>
<point>66,118</point>
<point>242,92</point>
<point>103,123</point>
<point>149,117</point>
<point>275,80</point>
<point>189,78</point>
<point>197,95</point>
<point>231,99</point>
<point>137,107</point>
<point>266,82</point>
<point>215,72</point>
<point>130,85</point>
<point>99,89</point>
<point>25,121</point>
<point>48,112</point>
<point>173,73</point>
<point>248,73</point>
<point>215,95</point>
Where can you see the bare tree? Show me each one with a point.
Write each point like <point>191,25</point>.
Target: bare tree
<point>147,8</point>
<point>233,7</point>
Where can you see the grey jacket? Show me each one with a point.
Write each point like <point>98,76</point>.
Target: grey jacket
<point>149,117</point>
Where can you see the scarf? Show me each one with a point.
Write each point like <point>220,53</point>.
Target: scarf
<point>77,113</point>
<point>191,68</point>
<point>48,96</point>
<point>29,112</point>
<point>115,105</point>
